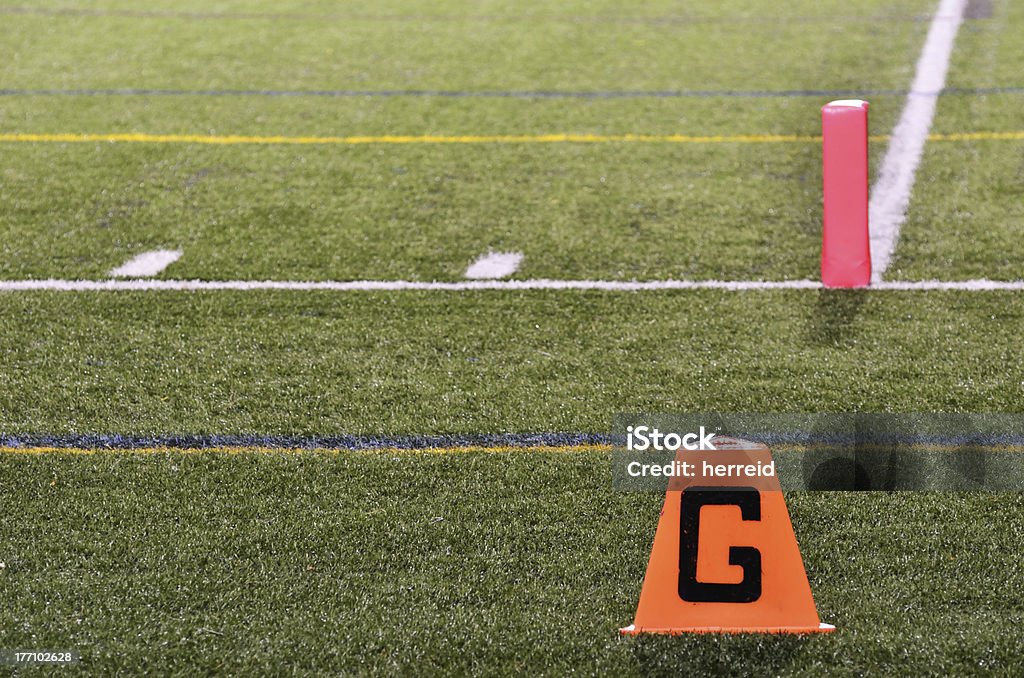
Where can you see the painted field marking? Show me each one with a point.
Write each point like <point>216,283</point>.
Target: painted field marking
<point>53,285</point>
<point>494,265</point>
<point>421,17</point>
<point>258,449</point>
<point>442,93</point>
<point>978,136</point>
<point>582,448</point>
<point>139,138</point>
<point>495,94</point>
<point>890,196</point>
<point>146,264</point>
<point>234,140</point>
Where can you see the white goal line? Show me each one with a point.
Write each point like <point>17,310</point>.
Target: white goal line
<point>54,285</point>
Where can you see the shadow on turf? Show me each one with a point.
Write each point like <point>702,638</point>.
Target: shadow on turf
<point>869,465</point>
<point>834,316</point>
<point>719,654</point>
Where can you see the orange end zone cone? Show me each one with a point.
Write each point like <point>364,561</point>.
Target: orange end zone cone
<point>725,557</point>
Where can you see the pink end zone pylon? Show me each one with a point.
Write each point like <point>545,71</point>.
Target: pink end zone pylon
<point>845,246</point>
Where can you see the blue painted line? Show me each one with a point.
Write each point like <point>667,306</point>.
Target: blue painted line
<point>662,20</point>
<point>875,438</point>
<point>449,94</point>
<point>983,90</point>
<point>113,441</point>
<point>497,94</point>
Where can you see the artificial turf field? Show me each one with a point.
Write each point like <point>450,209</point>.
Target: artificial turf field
<point>480,560</point>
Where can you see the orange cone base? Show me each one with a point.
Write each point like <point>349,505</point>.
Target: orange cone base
<point>631,630</point>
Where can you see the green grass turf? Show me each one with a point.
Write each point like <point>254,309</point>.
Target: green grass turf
<point>576,211</point>
<point>988,52</point>
<point>967,214</point>
<point>967,219</point>
<point>112,51</point>
<point>485,563</point>
<point>319,363</point>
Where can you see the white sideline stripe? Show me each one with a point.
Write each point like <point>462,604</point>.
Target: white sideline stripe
<point>474,285</point>
<point>494,265</point>
<point>890,195</point>
<point>146,264</point>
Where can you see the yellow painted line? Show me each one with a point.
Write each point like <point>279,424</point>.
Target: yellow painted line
<point>503,449</point>
<point>978,136</point>
<point>897,447</point>
<point>305,451</point>
<point>476,449</point>
<point>234,140</point>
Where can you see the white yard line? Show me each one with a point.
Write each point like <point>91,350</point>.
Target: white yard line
<point>890,195</point>
<point>494,265</point>
<point>146,264</point>
<point>467,286</point>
